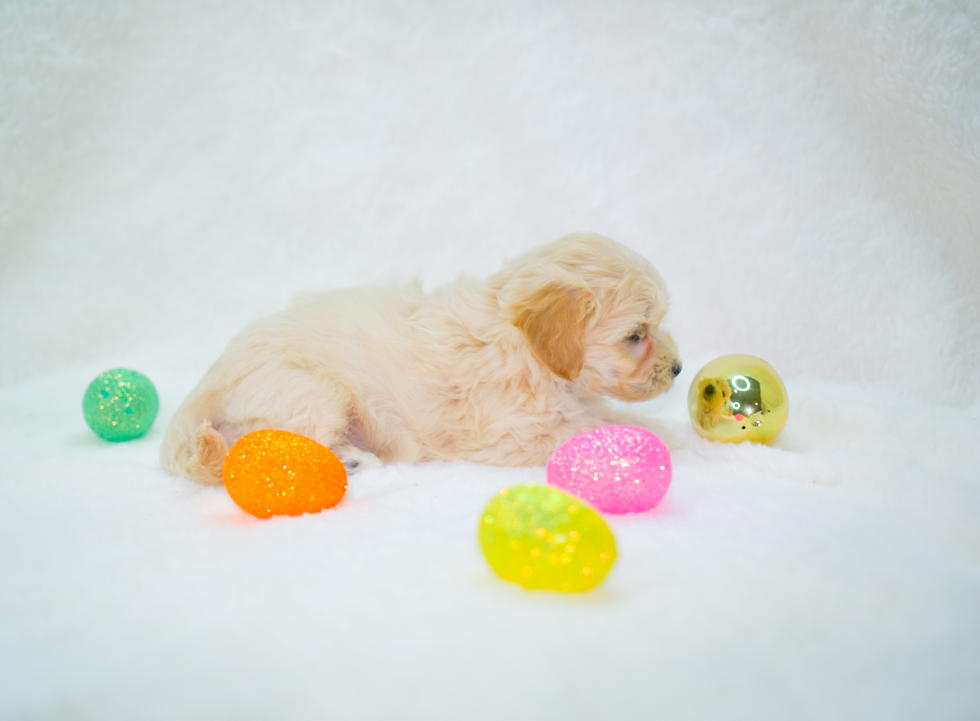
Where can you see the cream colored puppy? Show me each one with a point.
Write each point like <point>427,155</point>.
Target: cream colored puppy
<point>499,372</point>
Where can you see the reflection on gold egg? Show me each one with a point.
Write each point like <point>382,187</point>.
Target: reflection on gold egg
<point>738,398</point>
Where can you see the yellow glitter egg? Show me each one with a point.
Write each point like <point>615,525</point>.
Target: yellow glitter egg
<point>276,473</point>
<point>738,398</point>
<point>543,538</point>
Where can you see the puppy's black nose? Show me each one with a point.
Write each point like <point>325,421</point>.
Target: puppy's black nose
<point>676,368</point>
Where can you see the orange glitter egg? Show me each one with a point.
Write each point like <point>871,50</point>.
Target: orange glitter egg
<point>278,473</point>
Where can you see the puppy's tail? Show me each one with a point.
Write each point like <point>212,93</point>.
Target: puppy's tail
<point>191,446</point>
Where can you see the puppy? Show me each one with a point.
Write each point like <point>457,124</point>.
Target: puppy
<point>499,372</point>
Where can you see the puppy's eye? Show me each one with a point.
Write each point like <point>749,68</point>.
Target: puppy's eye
<point>637,335</point>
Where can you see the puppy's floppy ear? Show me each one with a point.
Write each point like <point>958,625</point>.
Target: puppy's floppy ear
<point>553,317</point>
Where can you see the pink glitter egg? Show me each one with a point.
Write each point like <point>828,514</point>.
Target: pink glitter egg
<point>616,469</point>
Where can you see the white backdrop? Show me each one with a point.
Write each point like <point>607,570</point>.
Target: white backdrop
<point>805,176</point>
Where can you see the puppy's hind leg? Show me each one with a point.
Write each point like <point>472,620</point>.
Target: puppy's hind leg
<point>330,423</point>
<point>356,459</point>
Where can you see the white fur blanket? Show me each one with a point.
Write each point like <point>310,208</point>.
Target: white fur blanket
<point>805,176</point>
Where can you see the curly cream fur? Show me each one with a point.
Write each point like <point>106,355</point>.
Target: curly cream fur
<point>499,372</point>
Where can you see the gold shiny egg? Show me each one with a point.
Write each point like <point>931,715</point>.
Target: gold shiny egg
<point>738,398</point>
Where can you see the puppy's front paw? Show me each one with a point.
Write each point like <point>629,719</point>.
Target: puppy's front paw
<point>356,459</point>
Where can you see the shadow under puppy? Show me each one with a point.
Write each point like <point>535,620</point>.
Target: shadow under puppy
<point>499,372</point>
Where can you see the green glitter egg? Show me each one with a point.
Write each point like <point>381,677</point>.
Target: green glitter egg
<point>120,405</point>
<point>543,538</point>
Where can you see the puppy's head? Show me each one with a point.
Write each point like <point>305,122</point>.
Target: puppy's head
<point>590,311</point>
